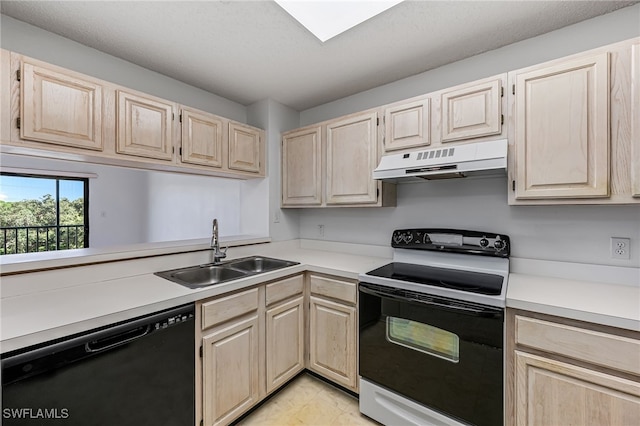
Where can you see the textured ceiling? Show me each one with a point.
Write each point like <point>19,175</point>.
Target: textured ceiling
<point>247,51</point>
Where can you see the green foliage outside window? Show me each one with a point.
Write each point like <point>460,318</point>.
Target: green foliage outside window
<point>35,221</point>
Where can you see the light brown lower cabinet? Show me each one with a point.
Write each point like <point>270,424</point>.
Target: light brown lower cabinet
<point>250,343</point>
<point>230,371</point>
<point>284,332</point>
<point>550,392</point>
<point>332,341</point>
<point>333,351</point>
<point>565,372</point>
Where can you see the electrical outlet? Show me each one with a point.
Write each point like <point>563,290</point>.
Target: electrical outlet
<point>321,231</point>
<point>620,248</point>
<point>276,217</point>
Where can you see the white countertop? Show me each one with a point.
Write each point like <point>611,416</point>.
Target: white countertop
<point>44,305</point>
<point>41,306</point>
<point>601,294</point>
<point>615,305</point>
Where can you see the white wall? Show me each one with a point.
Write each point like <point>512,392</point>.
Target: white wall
<point>128,206</point>
<point>183,206</point>
<point>620,25</point>
<point>565,233</point>
<point>283,224</point>
<point>117,198</point>
<point>37,43</point>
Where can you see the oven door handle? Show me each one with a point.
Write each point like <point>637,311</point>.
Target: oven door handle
<point>479,311</point>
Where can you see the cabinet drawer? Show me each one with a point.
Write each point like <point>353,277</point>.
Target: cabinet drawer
<point>284,289</point>
<point>221,310</point>
<point>336,289</point>
<point>608,350</point>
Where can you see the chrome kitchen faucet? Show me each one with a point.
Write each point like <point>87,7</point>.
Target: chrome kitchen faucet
<point>218,255</point>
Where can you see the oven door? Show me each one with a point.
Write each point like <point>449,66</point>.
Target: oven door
<point>442,353</point>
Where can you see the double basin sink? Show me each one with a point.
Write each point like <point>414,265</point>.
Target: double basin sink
<point>218,273</point>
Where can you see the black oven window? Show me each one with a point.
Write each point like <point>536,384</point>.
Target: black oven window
<point>424,338</point>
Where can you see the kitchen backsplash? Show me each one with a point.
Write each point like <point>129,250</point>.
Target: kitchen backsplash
<point>561,233</point>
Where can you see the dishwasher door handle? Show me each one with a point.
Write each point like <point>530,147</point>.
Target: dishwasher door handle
<point>117,340</point>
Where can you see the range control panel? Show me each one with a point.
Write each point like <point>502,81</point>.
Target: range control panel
<point>452,240</point>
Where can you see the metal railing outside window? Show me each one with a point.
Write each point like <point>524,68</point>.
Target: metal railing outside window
<point>30,239</point>
<point>36,225</point>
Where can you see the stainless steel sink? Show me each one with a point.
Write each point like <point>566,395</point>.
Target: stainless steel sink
<point>258,265</point>
<point>218,273</point>
<point>205,275</point>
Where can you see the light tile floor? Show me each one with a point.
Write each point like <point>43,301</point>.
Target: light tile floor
<point>308,401</point>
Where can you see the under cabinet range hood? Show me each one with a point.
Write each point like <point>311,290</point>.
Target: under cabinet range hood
<point>474,159</point>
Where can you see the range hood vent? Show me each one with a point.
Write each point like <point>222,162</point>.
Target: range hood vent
<point>469,160</point>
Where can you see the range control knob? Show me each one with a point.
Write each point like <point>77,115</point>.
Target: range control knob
<point>484,242</point>
<point>498,244</point>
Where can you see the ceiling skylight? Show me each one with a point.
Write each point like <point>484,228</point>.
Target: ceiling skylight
<point>327,19</point>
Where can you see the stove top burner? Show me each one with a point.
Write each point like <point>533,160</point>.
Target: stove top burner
<point>473,282</point>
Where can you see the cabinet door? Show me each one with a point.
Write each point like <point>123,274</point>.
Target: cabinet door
<point>244,148</point>
<point>201,138</point>
<point>472,111</point>
<point>5,95</point>
<point>351,159</point>
<point>562,130</point>
<point>635,120</point>
<point>550,392</point>
<point>144,126</point>
<point>407,125</point>
<point>301,168</point>
<point>332,341</point>
<point>60,108</point>
<point>230,371</point>
<point>285,342</point>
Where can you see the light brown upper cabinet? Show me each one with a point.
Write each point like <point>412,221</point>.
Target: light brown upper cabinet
<point>245,148</point>
<point>145,126</point>
<point>202,138</point>
<point>407,124</point>
<point>51,112</point>
<point>60,107</point>
<point>471,110</point>
<point>635,117</point>
<point>351,159</point>
<point>330,164</point>
<point>574,129</point>
<point>562,129</point>
<point>301,167</point>
<point>5,95</point>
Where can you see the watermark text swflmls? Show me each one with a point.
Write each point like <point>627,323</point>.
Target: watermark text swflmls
<point>35,413</point>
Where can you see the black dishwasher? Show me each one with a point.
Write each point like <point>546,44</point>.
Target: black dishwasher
<point>138,372</point>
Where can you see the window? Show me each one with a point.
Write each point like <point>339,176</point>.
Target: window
<point>43,213</point>
<point>424,338</point>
